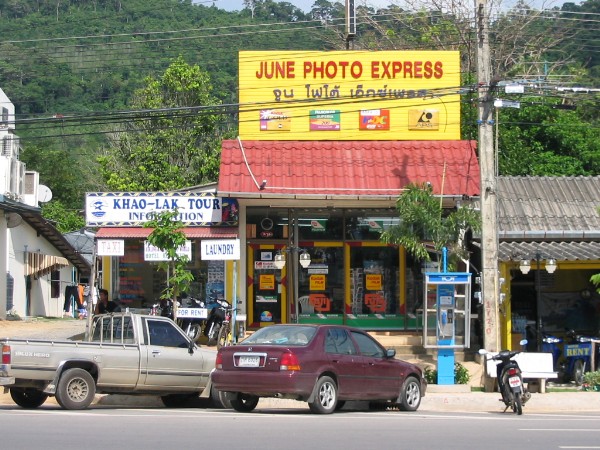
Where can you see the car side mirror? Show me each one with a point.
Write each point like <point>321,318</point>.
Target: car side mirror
<point>390,353</point>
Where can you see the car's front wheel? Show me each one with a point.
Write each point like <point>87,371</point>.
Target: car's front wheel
<point>243,402</point>
<point>410,395</point>
<point>325,400</point>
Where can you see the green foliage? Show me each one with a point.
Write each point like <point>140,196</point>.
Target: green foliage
<point>430,375</point>
<point>65,220</point>
<point>168,237</point>
<point>540,140</point>
<point>175,145</point>
<point>425,227</point>
<point>592,378</point>
<point>461,374</point>
<point>596,280</point>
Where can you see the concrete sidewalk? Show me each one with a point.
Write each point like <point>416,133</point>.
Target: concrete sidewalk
<point>554,402</point>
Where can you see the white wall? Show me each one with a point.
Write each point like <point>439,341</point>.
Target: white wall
<point>24,238</point>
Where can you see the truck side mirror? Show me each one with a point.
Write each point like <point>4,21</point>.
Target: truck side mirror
<point>191,347</point>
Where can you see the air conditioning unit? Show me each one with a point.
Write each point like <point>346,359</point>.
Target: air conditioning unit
<point>17,178</point>
<point>11,146</point>
<point>5,168</point>
<point>30,188</point>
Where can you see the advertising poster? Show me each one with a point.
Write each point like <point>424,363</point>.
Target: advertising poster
<point>325,120</point>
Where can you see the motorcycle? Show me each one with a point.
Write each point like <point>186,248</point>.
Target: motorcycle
<point>578,357</point>
<point>218,311</point>
<point>510,380</point>
<point>192,326</point>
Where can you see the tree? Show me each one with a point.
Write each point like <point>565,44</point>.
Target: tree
<point>172,139</point>
<point>425,227</point>
<point>168,237</point>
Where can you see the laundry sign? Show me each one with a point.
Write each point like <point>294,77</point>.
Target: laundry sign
<point>220,249</point>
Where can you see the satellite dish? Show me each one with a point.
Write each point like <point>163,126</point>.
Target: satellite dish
<point>13,220</point>
<point>44,194</point>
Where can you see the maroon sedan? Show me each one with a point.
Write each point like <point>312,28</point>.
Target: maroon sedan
<point>324,365</point>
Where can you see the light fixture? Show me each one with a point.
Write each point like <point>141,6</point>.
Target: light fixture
<point>551,265</point>
<point>525,266</point>
<point>279,261</point>
<point>304,259</point>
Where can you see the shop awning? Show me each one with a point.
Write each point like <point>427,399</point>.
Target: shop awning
<point>358,169</point>
<point>39,264</point>
<point>190,232</point>
<point>559,250</point>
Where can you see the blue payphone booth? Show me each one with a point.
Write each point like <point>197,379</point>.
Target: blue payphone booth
<point>446,318</point>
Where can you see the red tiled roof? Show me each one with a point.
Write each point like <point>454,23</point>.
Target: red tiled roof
<point>190,232</point>
<point>331,168</point>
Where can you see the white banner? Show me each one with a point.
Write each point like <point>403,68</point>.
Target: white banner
<point>137,208</point>
<point>110,247</point>
<point>192,313</point>
<point>152,253</point>
<point>220,249</point>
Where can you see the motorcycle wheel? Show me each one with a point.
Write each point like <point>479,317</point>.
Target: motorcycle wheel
<point>223,336</point>
<point>193,332</point>
<point>578,369</point>
<point>517,404</point>
<point>213,335</point>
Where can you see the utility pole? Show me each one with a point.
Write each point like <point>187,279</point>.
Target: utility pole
<point>489,228</point>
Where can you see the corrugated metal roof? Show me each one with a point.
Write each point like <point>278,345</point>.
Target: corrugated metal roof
<point>318,169</point>
<point>190,232</point>
<point>561,251</point>
<point>548,207</point>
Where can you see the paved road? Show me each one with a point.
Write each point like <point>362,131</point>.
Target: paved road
<point>292,429</point>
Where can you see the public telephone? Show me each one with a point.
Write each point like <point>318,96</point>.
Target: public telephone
<point>445,319</point>
<point>447,315</point>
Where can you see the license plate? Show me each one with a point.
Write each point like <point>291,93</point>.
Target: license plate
<point>514,381</point>
<point>249,361</point>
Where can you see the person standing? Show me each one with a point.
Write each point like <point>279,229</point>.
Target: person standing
<point>104,305</point>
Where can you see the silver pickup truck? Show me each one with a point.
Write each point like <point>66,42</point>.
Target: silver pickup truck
<point>126,354</point>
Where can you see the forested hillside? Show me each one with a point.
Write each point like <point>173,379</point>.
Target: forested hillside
<point>73,67</point>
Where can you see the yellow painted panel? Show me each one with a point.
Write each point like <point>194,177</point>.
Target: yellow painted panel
<point>349,95</point>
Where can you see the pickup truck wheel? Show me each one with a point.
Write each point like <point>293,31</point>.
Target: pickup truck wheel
<point>218,399</point>
<point>243,402</point>
<point>76,389</point>
<point>177,400</point>
<point>27,397</point>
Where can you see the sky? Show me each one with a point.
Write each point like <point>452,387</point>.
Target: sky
<point>306,5</point>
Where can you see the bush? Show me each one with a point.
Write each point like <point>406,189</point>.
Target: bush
<point>592,378</point>
<point>461,374</point>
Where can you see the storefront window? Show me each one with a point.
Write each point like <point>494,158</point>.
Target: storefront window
<point>367,225</point>
<point>321,285</point>
<point>374,284</point>
<point>140,284</point>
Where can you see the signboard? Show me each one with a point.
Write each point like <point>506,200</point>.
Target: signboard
<point>110,247</point>
<point>192,313</point>
<point>220,249</point>
<point>349,95</point>
<point>152,253</point>
<point>137,208</point>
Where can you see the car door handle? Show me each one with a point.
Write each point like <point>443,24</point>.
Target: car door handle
<point>155,352</point>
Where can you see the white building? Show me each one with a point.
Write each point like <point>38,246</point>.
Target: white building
<point>37,263</point>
